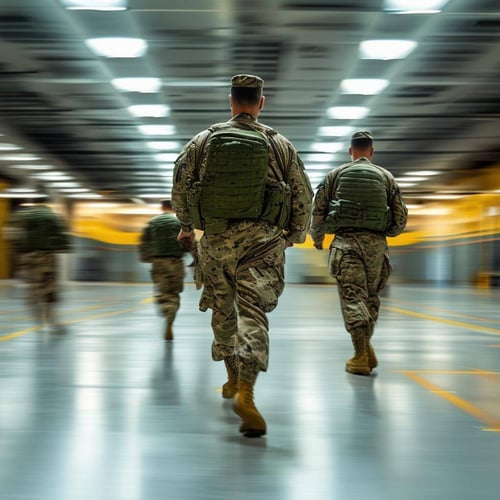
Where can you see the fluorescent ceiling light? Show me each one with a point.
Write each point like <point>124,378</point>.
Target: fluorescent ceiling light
<point>170,157</point>
<point>328,147</point>
<point>53,176</point>
<point>347,112</point>
<point>84,196</point>
<point>95,4</point>
<point>157,129</point>
<point>363,86</point>
<point>117,47</point>
<point>159,196</point>
<point>73,190</point>
<point>164,145</point>
<point>405,184</point>
<point>144,85</point>
<point>21,190</point>
<point>153,110</point>
<point>32,167</point>
<point>4,146</point>
<point>386,49</point>
<point>319,157</point>
<point>335,131</point>
<point>19,157</point>
<point>423,172</point>
<point>64,184</point>
<point>414,6</point>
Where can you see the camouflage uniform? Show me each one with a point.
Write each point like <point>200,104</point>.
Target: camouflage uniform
<point>42,234</point>
<point>159,246</point>
<point>358,257</point>
<point>243,267</point>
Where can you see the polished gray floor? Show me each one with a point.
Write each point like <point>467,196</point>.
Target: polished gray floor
<point>108,410</point>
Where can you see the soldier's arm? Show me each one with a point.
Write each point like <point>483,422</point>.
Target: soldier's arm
<point>321,206</point>
<point>300,217</point>
<point>398,209</point>
<point>179,191</point>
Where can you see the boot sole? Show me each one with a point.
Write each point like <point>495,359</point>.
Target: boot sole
<point>248,431</point>
<point>358,371</point>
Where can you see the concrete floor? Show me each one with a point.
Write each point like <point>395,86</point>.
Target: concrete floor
<point>108,410</point>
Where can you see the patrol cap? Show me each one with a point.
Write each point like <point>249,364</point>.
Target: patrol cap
<point>248,81</point>
<point>361,138</point>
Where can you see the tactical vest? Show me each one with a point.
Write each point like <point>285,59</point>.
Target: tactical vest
<point>164,230</point>
<point>43,230</point>
<point>233,186</point>
<point>235,177</point>
<point>361,200</point>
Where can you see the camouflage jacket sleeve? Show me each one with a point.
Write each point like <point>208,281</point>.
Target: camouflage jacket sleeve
<point>144,247</point>
<point>185,173</point>
<point>298,181</point>
<point>321,206</point>
<point>398,209</point>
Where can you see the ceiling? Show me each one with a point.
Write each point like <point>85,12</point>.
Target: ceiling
<point>440,110</point>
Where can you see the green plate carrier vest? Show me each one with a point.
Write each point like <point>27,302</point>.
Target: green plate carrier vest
<point>361,200</point>
<point>235,177</point>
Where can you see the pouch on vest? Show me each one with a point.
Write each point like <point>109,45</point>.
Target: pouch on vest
<point>346,213</point>
<point>277,205</point>
<point>193,196</point>
<point>234,180</point>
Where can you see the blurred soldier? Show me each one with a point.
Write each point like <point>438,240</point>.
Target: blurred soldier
<point>361,203</point>
<point>159,246</point>
<point>39,233</point>
<point>244,185</point>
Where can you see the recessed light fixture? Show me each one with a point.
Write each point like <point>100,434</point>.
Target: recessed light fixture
<point>339,131</point>
<point>95,4</point>
<point>169,157</point>
<point>32,167</point>
<point>363,86</point>
<point>414,6</point>
<point>117,47</point>
<point>19,157</point>
<point>164,145</point>
<point>4,146</point>
<point>386,49</point>
<point>157,129</point>
<point>328,147</point>
<point>347,112</point>
<point>425,173</point>
<point>152,110</point>
<point>144,85</point>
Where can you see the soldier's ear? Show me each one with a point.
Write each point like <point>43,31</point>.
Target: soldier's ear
<point>261,102</point>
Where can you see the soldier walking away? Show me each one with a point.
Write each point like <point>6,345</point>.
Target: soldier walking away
<point>244,185</point>
<point>159,246</point>
<point>40,233</point>
<point>361,204</point>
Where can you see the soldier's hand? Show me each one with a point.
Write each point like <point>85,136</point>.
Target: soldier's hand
<point>186,238</point>
<point>288,244</point>
<point>318,245</point>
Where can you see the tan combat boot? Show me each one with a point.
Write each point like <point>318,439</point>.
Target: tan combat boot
<point>230,388</point>
<point>359,364</point>
<point>372,359</point>
<point>169,333</point>
<point>252,422</point>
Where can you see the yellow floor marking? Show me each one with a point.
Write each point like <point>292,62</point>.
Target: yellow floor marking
<point>19,333</point>
<point>148,300</point>
<point>441,310</point>
<point>492,423</point>
<point>469,326</point>
<point>491,376</point>
<point>69,322</point>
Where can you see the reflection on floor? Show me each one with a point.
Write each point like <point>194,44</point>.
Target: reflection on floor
<point>108,410</point>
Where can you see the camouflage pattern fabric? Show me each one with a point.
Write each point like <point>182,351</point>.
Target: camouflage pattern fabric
<point>243,277</point>
<point>242,268</point>
<point>360,263</point>
<point>167,274</point>
<point>39,270</point>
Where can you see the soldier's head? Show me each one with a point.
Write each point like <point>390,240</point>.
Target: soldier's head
<point>246,94</point>
<point>361,145</point>
<point>166,205</point>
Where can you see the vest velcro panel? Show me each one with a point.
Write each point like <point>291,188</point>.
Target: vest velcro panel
<point>235,174</point>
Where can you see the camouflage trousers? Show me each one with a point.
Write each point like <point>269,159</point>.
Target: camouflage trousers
<point>167,274</point>
<point>360,264</point>
<point>243,277</point>
<point>39,271</point>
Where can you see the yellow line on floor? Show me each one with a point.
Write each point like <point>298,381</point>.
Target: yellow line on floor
<point>492,423</point>
<point>468,326</point>
<point>19,333</point>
